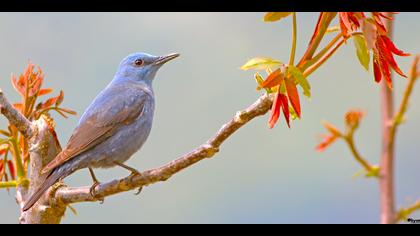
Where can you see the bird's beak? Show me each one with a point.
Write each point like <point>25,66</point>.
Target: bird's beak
<point>163,59</point>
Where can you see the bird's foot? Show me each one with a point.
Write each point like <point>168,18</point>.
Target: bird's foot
<point>133,174</point>
<point>94,194</point>
<point>138,191</point>
<point>92,190</point>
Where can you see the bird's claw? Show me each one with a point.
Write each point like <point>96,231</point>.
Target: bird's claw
<point>138,191</point>
<point>93,193</point>
<point>132,175</point>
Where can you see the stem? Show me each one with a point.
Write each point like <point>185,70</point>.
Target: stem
<point>386,177</point>
<point>294,38</point>
<point>322,25</point>
<point>407,93</point>
<point>15,117</point>
<point>323,59</point>
<point>316,58</point>
<point>350,142</point>
<point>10,184</point>
<point>405,212</point>
<point>18,159</point>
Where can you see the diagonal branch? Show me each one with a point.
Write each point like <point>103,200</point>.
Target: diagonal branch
<point>67,195</point>
<point>15,117</point>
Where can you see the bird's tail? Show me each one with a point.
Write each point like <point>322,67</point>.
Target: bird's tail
<point>51,179</point>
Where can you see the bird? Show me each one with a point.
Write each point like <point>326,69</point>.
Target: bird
<point>113,127</point>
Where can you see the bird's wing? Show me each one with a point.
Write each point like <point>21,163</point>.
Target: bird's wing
<point>110,110</point>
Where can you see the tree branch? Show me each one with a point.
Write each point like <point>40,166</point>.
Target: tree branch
<point>15,117</point>
<point>386,176</point>
<point>370,169</point>
<point>412,78</point>
<point>67,195</point>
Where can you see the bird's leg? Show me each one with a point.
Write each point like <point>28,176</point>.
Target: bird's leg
<point>133,171</point>
<point>95,183</point>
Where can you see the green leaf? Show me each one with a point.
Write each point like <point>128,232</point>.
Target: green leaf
<point>301,80</point>
<point>261,63</point>
<point>275,16</point>
<point>362,50</point>
<point>283,88</point>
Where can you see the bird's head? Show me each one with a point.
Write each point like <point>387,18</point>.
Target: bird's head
<point>142,67</point>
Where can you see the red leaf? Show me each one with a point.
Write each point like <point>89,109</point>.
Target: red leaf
<point>326,142</point>
<point>53,101</point>
<point>377,71</point>
<point>379,24</point>
<point>60,98</point>
<point>28,70</point>
<point>293,95</point>
<point>285,107</point>
<point>36,87</point>
<point>387,55</point>
<point>49,103</point>
<point>343,23</point>
<point>1,169</point>
<point>386,72</point>
<point>274,79</point>
<point>332,129</point>
<point>45,91</point>
<point>275,111</point>
<point>353,118</point>
<point>391,46</point>
<point>3,148</point>
<point>383,14</point>
<point>18,87</point>
<point>349,21</point>
<point>11,169</point>
<point>71,112</point>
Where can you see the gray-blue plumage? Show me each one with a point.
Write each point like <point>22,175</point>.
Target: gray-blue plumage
<point>114,126</point>
<point>125,96</point>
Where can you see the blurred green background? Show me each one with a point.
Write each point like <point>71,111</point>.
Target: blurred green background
<point>260,175</point>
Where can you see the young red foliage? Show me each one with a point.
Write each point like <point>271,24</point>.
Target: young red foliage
<point>383,59</point>
<point>350,22</point>
<point>327,141</point>
<point>12,170</point>
<point>274,79</point>
<point>353,118</point>
<point>275,111</point>
<point>293,95</point>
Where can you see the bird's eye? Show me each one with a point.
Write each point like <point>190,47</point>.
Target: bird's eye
<point>138,62</point>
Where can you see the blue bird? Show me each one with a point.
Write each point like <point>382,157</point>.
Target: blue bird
<point>114,126</point>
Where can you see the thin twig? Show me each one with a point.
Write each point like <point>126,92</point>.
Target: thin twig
<point>350,143</point>
<point>399,116</point>
<point>69,195</point>
<point>15,117</point>
<point>403,213</point>
<point>407,93</point>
